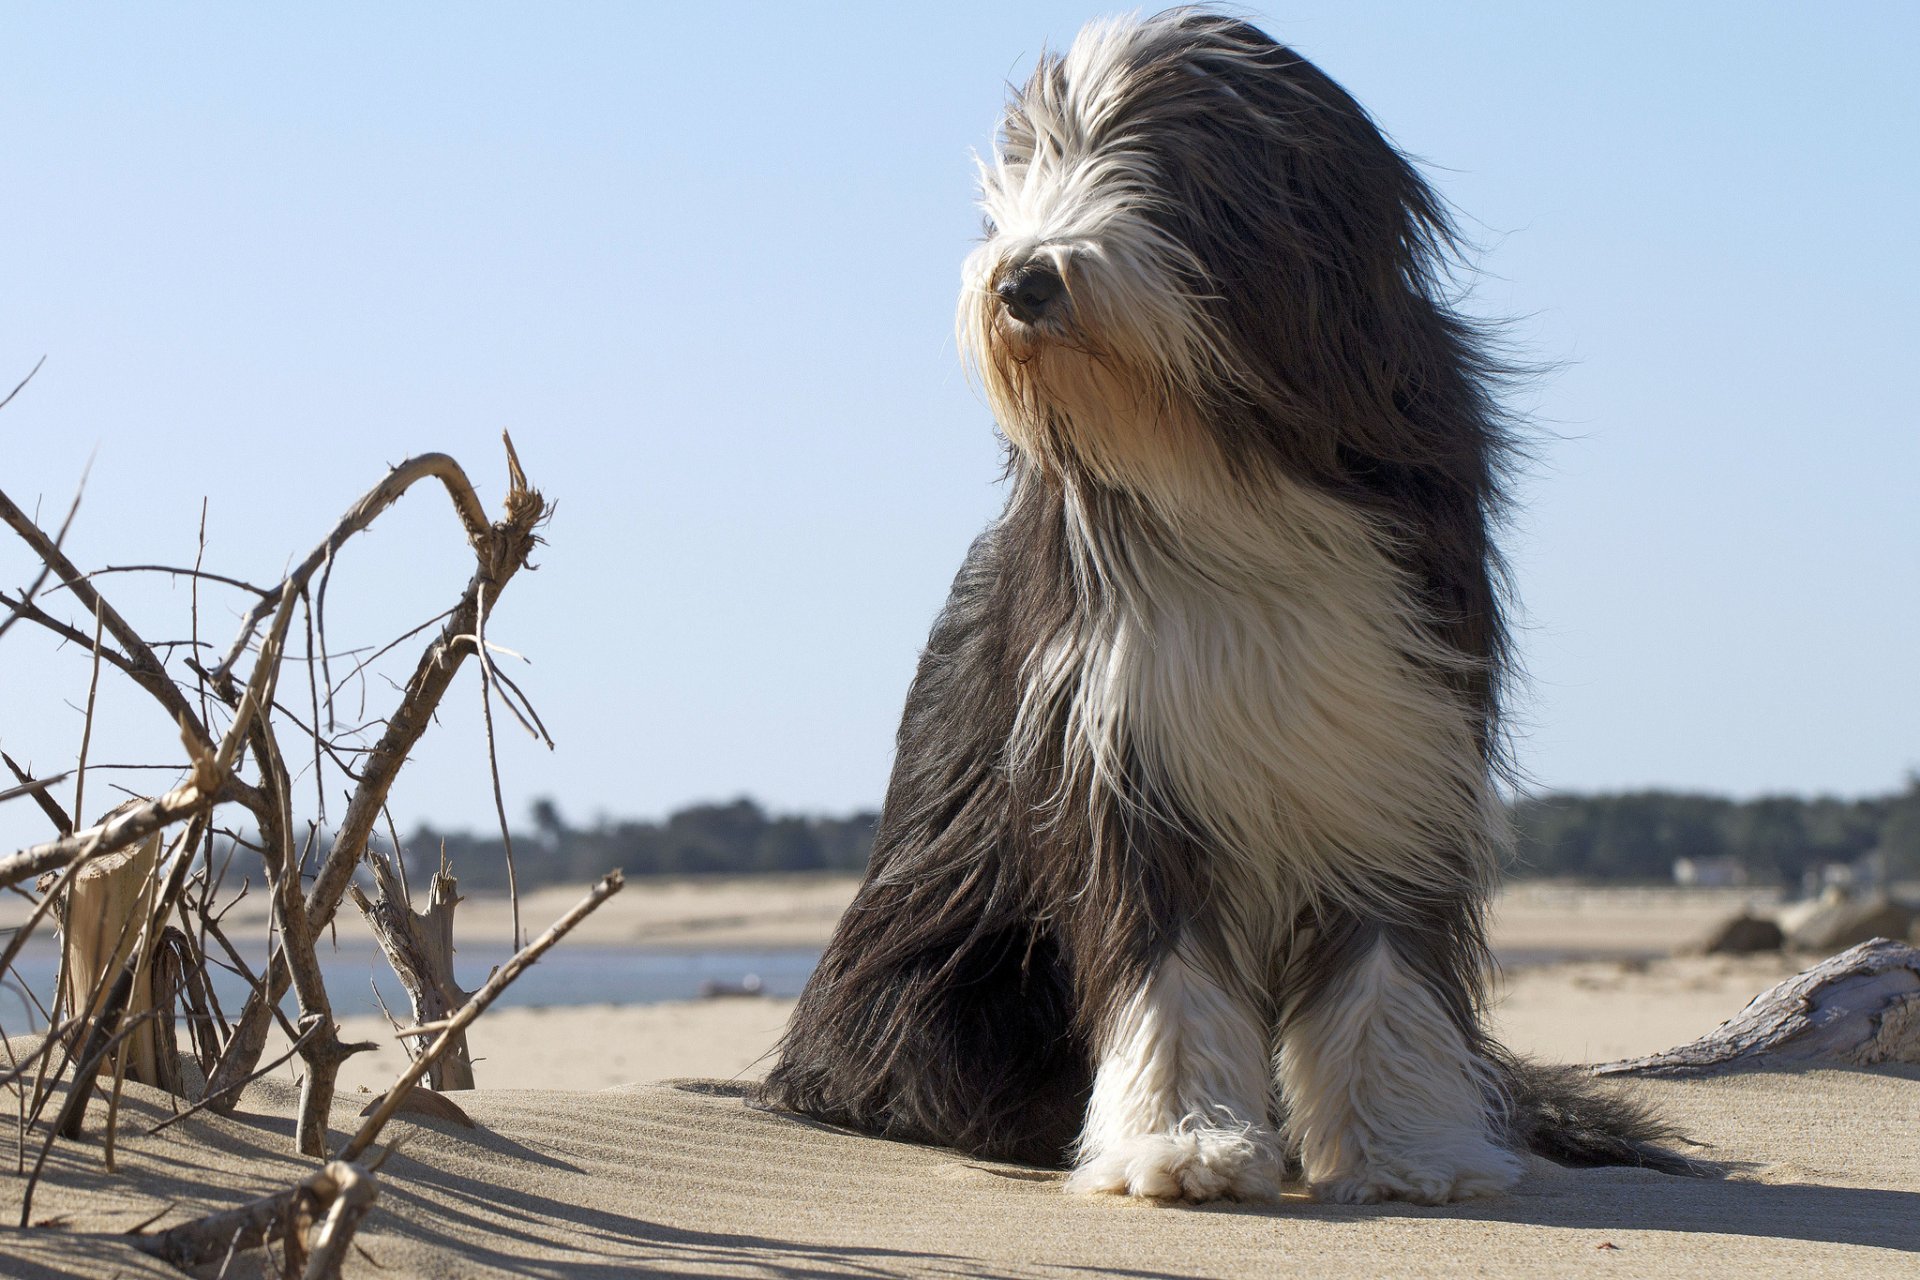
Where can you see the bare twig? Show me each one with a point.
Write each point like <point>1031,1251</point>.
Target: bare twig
<point>140,662</point>
<point>493,760</point>
<point>23,382</point>
<point>400,856</point>
<point>59,538</point>
<point>320,620</point>
<point>86,728</point>
<point>23,608</point>
<point>37,788</point>
<point>313,695</point>
<point>204,787</point>
<point>387,648</point>
<point>196,573</point>
<point>323,1052</point>
<point>362,514</point>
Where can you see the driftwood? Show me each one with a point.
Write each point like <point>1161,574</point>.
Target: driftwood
<point>1858,1008</point>
<point>419,946</point>
<point>340,1191</point>
<point>500,551</point>
<point>98,920</point>
<point>455,1027</point>
<point>345,1190</point>
<point>303,908</point>
<point>118,884</point>
<point>104,1027</point>
<point>354,1194</point>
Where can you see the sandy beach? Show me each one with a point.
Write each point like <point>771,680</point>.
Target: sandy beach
<point>1612,1002</point>
<point>1593,1011</point>
<point>612,1141</point>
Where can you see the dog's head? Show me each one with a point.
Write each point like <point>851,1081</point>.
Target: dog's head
<point>1199,252</point>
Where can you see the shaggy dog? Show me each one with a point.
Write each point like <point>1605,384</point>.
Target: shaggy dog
<point>1183,869</point>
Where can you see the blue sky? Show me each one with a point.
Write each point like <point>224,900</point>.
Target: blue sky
<point>703,266</point>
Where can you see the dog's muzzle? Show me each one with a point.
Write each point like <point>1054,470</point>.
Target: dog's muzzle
<point>1030,291</point>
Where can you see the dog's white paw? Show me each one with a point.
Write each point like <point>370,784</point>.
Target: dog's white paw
<point>1190,1164</point>
<point>1460,1171</point>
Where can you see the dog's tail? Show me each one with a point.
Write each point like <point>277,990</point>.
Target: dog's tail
<point>1567,1116</point>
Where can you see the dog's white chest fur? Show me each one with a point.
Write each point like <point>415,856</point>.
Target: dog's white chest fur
<point>1265,669</point>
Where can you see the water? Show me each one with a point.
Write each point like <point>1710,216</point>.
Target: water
<point>566,975</point>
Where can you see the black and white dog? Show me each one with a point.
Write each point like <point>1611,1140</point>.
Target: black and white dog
<point>1183,868</point>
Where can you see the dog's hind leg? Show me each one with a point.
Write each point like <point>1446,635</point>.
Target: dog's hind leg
<point>1181,1094</point>
<point>1387,1092</point>
<point>965,1042</point>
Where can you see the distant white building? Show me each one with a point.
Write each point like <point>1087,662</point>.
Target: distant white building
<point>1709,873</point>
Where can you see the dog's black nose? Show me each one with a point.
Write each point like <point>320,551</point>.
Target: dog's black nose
<point>1029,291</point>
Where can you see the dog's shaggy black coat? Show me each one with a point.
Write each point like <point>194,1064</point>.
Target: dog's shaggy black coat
<point>962,998</point>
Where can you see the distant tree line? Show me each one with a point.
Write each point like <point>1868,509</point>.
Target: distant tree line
<point>1630,836</point>
<point>1639,835</point>
<point>704,839</point>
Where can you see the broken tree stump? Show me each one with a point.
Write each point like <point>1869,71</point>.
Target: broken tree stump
<point>1858,1008</point>
<point>99,920</point>
<point>419,945</point>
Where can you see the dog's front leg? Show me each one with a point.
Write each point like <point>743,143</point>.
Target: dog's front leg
<point>1385,1092</point>
<point>1181,1094</point>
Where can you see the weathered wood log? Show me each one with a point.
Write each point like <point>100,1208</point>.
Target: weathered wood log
<point>1858,1008</point>
<point>99,924</point>
<point>419,945</point>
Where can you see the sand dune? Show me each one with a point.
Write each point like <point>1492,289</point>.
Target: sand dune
<point>683,1179</point>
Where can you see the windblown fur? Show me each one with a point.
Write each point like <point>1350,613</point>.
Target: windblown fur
<point>1182,872</point>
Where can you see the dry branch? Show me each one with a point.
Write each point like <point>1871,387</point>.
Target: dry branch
<point>137,657</point>
<point>354,1194</point>
<point>59,539</point>
<point>284,1215</point>
<point>202,789</point>
<point>501,550</point>
<point>37,788</point>
<point>1858,1008</point>
<point>357,518</point>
